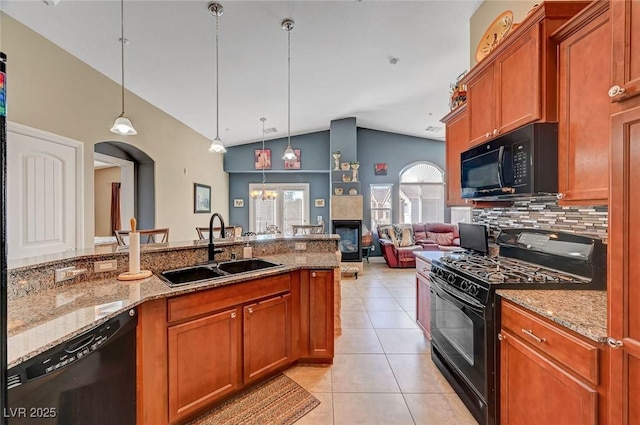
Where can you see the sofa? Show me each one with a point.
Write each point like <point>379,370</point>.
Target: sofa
<point>399,242</point>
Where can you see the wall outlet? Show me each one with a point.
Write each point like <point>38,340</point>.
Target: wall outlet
<point>105,266</point>
<point>300,246</point>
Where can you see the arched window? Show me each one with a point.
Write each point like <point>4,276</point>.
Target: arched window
<point>421,193</point>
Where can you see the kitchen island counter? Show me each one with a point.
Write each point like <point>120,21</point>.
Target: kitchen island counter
<point>584,312</point>
<point>45,318</point>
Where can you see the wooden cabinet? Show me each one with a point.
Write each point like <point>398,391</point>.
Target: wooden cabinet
<point>457,141</point>
<point>625,18</point>
<point>516,83</point>
<point>316,315</point>
<point>624,267</point>
<point>423,295</point>
<point>203,360</point>
<point>266,336</point>
<point>548,374</point>
<point>583,126</point>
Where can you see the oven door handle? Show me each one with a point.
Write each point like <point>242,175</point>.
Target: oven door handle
<point>500,166</point>
<point>442,290</point>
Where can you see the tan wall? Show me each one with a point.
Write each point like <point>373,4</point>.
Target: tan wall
<point>51,90</point>
<point>102,180</point>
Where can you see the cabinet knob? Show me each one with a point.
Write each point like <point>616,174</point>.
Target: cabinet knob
<point>313,274</point>
<point>560,195</point>
<point>495,131</point>
<point>250,310</point>
<point>614,343</point>
<point>487,135</point>
<point>615,90</point>
<point>501,337</point>
<point>233,315</point>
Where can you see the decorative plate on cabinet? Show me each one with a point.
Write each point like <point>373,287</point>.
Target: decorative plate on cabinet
<point>494,34</point>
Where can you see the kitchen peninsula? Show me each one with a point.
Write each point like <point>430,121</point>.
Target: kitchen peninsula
<point>180,329</point>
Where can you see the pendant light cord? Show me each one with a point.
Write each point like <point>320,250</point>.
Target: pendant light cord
<point>289,88</point>
<point>122,49</point>
<point>217,86</point>
<point>264,178</point>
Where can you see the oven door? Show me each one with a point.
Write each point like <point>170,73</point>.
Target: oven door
<point>458,333</point>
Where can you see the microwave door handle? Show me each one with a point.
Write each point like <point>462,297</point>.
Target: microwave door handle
<point>500,160</point>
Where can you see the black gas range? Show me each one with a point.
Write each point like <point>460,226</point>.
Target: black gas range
<point>463,298</point>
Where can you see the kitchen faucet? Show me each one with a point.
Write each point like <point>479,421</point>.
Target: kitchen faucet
<point>212,249</point>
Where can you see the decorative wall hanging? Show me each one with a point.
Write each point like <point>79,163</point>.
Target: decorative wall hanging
<point>263,159</point>
<point>380,169</point>
<point>201,198</point>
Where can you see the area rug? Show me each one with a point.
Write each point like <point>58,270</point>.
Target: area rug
<point>278,401</point>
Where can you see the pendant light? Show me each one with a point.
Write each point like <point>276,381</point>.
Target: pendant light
<point>122,125</point>
<point>217,146</point>
<point>264,194</point>
<point>289,153</point>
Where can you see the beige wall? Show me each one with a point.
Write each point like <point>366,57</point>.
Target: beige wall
<point>51,90</point>
<point>102,180</point>
<point>487,12</point>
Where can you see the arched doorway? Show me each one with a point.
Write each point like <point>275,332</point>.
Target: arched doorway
<point>144,179</point>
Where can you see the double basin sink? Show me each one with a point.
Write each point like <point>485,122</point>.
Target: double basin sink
<point>197,274</point>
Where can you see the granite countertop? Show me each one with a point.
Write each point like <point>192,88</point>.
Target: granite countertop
<point>41,320</point>
<point>584,312</point>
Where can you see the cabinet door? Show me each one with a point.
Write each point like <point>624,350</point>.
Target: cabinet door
<point>423,311</point>
<point>321,314</point>
<point>583,126</point>
<point>481,106</point>
<point>203,361</point>
<point>457,141</point>
<point>267,336</point>
<point>625,19</point>
<point>624,267</point>
<point>534,391</point>
<point>517,74</point>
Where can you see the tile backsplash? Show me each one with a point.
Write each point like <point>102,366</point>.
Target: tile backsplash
<point>545,213</point>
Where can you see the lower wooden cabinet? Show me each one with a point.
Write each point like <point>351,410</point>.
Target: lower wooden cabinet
<point>548,374</point>
<point>423,295</point>
<point>203,361</point>
<point>266,336</point>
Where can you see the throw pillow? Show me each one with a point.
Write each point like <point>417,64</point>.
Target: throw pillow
<point>445,239</point>
<point>404,234</point>
<point>387,232</point>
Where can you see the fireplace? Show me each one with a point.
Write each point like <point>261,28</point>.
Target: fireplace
<point>350,244</point>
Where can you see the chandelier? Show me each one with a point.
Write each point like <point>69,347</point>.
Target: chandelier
<point>263,193</point>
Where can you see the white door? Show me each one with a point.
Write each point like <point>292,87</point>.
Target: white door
<point>44,193</point>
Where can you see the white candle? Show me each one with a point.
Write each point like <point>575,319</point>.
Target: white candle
<point>134,253</point>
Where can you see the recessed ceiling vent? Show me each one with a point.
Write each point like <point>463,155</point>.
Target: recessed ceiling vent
<point>270,130</point>
<point>433,128</point>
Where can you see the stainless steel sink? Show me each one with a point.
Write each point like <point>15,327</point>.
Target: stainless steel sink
<point>196,274</point>
<point>248,265</point>
<point>191,275</point>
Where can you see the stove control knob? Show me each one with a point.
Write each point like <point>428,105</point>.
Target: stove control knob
<point>473,290</point>
<point>451,278</point>
<point>464,285</point>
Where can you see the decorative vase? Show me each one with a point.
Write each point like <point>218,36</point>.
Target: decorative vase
<point>346,178</point>
<point>344,166</point>
<point>338,191</point>
<point>336,161</point>
<point>354,168</point>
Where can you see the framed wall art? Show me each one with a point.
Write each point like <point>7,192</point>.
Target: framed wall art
<point>262,159</point>
<point>238,203</point>
<point>293,164</point>
<point>380,169</point>
<point>201,198</point>
<point>319,203</point>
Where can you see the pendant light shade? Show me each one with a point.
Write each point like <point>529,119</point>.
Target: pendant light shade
<point>263,193</point>
<point>217,146</point>
<point>122,125</point>
<point>289,153</point>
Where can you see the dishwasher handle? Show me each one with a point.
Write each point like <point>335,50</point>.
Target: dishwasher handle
<point>79,345</point>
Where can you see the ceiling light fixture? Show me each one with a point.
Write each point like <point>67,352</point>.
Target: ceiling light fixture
<point>217,146</point>
<point>289,153</point>
<point>263,193</point>
<point>122,125</point>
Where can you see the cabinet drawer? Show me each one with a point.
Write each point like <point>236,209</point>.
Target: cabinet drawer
<point>423,267</point>
<point>199,303</point>
<point>572,352</point>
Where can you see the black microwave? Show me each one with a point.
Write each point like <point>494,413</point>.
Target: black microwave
<point>521,163</point>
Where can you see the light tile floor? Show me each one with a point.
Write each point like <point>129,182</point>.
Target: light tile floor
<point>382,371</point>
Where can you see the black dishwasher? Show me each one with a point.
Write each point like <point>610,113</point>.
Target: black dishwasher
<point>89,380</point>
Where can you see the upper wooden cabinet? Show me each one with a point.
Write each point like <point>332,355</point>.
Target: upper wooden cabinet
<point>516,83</point>
<point>625,18</point>
<point>457,141</point>
<point>584,57</point>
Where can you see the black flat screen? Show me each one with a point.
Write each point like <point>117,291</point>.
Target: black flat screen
<point>474,236</point>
